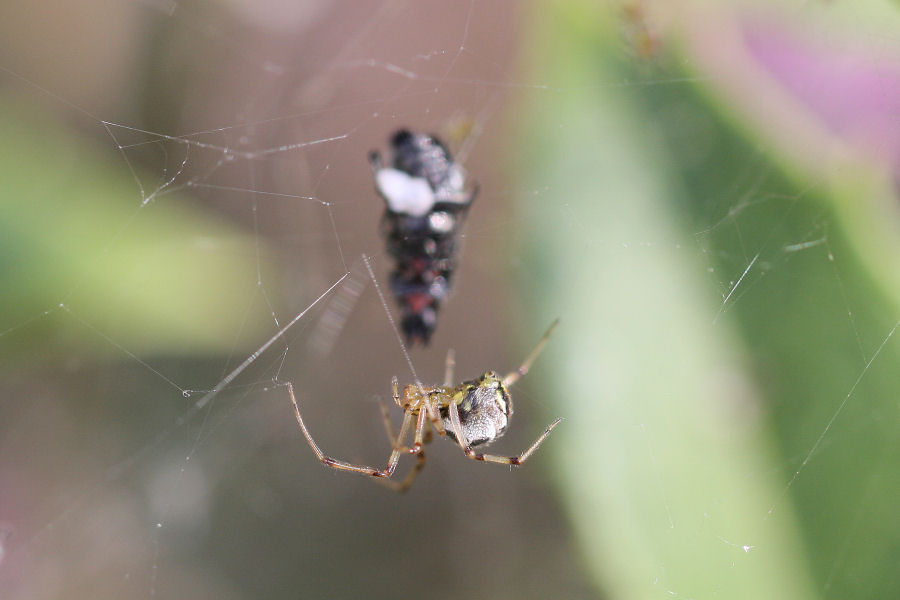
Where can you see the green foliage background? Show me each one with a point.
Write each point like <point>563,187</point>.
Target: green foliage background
<point>734,443</point>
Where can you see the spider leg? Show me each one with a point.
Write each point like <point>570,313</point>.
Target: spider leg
<point>514,376</point>
<point>449,367</point>
<point>418,436</point>
<point>422,435</point>
<point>432,411</point>
<point>416,449</point>
<point>419,439</point>
<point>402,486</point>
<point>395,389</point>
<point>342,465</point>
<point>386,419</point>
<point>494,458</point>
<point>434,416</point>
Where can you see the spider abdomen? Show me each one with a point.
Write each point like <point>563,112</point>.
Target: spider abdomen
<point>484,409</point>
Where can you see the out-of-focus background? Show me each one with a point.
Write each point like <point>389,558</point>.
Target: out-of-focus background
<point>705,193</point>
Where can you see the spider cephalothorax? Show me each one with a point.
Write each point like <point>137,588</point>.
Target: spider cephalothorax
<point>472,413</point>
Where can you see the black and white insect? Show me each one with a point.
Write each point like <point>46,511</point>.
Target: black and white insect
<point>427,200</point>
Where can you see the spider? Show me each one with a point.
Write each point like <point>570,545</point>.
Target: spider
<point>472,413</point>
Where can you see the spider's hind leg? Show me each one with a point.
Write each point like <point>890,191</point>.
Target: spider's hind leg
<point>343,465</point>
<point>494,458</point>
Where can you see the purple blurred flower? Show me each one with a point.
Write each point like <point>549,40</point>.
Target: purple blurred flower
<point>851,86</point>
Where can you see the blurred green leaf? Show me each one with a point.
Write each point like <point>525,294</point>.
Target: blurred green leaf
<point>176,280</point>
<point>730,431</point>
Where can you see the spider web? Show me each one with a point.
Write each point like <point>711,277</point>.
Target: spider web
<point>147,446</point>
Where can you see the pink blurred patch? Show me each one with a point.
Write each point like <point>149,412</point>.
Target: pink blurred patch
<point>853,89</point>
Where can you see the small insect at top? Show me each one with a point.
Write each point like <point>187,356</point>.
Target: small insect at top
<point>426,202</point>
